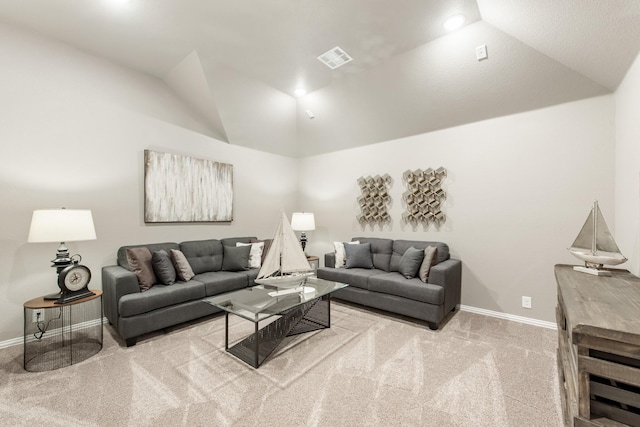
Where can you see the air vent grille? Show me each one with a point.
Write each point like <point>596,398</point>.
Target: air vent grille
<point>334,58</point>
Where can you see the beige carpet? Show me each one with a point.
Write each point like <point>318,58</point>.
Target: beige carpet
<point>369,369</point>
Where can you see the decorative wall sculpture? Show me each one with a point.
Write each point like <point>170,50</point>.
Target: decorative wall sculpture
<point>374,200</point>
<point>424,196</point>
<point>185,189</point>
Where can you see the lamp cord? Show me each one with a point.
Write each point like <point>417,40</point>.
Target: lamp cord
<point>42,327</point>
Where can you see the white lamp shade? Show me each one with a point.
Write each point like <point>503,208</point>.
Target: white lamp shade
<point>303,221</point>
<point>61,225</point>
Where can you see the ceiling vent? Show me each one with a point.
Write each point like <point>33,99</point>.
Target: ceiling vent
<point>334,58</point>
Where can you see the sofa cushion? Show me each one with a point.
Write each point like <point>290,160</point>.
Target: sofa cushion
<point>410,262</point>
<point>400,247</point>
<point>255,255</point>
<point>236,258</point>
<point>340,254</point>
<point>381,250</point>
<point>395,284</point>
<point>218,282</point>
<point>265,250</point>
<point>232,241</point>
<point>139,260</point>
<point>122,251</point>
<point>357,277</point>
<point>163,267</point>
<point>159,296</point>
<point>358,255</point>
<point>430,257</point>
<point>183,269</point>
<point>203,255</point>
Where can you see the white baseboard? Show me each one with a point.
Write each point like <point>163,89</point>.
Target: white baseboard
<point>512,317</point>
<point>470,309</point>
<point>20,340</point>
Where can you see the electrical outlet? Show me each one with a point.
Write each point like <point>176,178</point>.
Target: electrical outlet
<point>38,316</point>
<point>526,302</point>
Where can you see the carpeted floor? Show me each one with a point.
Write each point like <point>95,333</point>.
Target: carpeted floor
<point>370,368</point>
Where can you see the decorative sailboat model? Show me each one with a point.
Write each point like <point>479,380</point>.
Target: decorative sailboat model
<point>595,245</point>
<point>285,267</point>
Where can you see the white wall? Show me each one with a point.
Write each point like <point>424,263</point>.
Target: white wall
<point>72,133</point>
<point>519,189</point>
<point>627,180</point>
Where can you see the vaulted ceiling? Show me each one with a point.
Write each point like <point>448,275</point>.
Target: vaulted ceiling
<point>237,63</point>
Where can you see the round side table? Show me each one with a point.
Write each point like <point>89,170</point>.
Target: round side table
<point>62,334</point>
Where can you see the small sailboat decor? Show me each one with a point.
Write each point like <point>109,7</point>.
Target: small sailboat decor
<point>595,245</point>
<point>285,266</point>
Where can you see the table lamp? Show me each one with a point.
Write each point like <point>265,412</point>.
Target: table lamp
<point>303,221</point>
<point>61,225</point>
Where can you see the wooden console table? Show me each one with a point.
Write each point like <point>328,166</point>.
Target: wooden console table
<point>598,347</point>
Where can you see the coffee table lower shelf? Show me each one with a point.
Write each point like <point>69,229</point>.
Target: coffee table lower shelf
<point>254,349</point>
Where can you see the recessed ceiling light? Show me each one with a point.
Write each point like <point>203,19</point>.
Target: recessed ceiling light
<point>299,92</point>
<point>334,58</point>
<point>454,22</point>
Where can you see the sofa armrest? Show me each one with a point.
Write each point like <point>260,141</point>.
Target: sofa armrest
<point>330,259</point>
<point>116,282</point>
<point>448,274</point>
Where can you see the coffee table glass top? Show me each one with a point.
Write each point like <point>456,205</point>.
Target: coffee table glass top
<point>258,303</point>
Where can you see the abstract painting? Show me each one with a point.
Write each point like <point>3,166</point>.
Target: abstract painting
<point>186,189</point>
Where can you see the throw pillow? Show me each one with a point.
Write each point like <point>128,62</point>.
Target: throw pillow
<point>236,258</point>
<point>163,267</point>
<point>183,268</point>
<point>410,262</point>
<point>430,258</point>
<point>267,245</point>
<point>139,260</point>
<point>341,259</point>
<point>255,255</point>
<point>358,256</point>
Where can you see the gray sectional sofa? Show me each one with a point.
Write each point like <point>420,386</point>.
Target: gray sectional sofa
<point>383,287</point>
<point>133,312</point>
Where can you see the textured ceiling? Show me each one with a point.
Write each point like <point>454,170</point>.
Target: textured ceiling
<point>238,62</point>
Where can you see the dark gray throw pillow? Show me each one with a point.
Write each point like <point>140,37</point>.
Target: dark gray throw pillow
<point>410,262</point>
<point>358,255</point>
<point>236,258</point>
<point>163,267</point>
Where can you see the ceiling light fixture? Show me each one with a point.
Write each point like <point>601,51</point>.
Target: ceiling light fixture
<point>299,92</point>
<point>454,22</point>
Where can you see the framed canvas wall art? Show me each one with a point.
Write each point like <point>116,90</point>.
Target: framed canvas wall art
<point>185,189</point>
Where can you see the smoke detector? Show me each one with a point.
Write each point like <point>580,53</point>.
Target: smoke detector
<point>334,58</point>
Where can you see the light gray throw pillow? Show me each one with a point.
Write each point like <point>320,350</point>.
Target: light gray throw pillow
<point>183,268</point>
<point>358,255</point>
<point>410,262</point>
<point>430,258</point>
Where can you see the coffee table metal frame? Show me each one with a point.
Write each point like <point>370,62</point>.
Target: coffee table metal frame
<point>297,313</point>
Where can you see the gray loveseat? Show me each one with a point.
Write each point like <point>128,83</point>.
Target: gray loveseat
<point>133,312</point>
<point>383,287</point>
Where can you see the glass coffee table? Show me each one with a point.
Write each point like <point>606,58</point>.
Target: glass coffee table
<point>295,313</point>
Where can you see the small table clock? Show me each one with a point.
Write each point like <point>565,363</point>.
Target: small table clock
<point>73,281</point>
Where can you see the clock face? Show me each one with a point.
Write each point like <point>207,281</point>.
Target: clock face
<point>75,277</point>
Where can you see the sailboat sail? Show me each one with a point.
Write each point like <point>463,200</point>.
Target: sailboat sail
<point>285,255</point>
<point>595,244</point>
